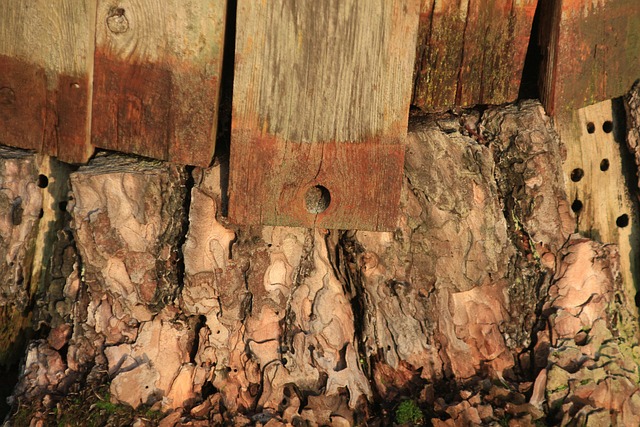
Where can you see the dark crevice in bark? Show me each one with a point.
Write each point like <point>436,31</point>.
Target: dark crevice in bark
<point>306,266</point>
<point>345,264</point>
<point>170,275</point>
<point>184,228</point>
<point>529,282</point>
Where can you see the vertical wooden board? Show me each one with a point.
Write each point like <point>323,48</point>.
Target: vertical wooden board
<point>46,63</point>
<point>592,52</point>
<point>596,185</point>
<point>157,77</point>
<point>321,98</point>
<point>471,52</point>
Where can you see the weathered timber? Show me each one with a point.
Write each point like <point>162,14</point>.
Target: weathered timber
<point>157,78</point>
<point>470,52</point>
<point>594,172</point>
<point>20,204</point>
<point>46,68</point>
<point>590,50</point>
<point>320,109</point>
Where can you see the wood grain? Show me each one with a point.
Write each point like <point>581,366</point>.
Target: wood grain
<point>321,97</point>
<point>157,76</point>
<point>471,52</point>
<point>596,184</point>
<point>591,52</point>
<point>46,63</point>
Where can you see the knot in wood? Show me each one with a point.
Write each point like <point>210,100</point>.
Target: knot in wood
<point>117,22</point>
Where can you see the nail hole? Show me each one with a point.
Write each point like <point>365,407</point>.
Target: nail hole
<point>622,221</point>
<point>576,206</point>
<point>607,126</point>
<point>43,181</point>
<point>577,174</point>
<point>591,128</point>
<point>604,165</point>
<point>317,199</point>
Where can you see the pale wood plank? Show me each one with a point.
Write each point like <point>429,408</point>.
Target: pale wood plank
<point>596,184</point>
<point>321,97</point>
<point>157,71</point>
<point>46,58</point>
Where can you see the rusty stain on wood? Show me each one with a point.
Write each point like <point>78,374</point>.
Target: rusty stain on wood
<point>321,98</point>
<point>591,52</point>
<point>46,59</point>
<point>471,52</point>
<point>157,71</point>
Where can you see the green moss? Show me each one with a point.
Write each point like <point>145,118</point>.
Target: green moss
<point>409,413</point>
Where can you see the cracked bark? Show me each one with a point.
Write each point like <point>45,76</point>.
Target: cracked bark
<point>475,306</point>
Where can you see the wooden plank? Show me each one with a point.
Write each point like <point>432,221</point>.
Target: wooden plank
<point>321,99</point>
<point>591,51</point>
<point>46,63</point>
<point>471,52</point>
<point>596,185</point>
<point>157,78</point>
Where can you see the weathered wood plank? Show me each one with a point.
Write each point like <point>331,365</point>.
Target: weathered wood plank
<point>471,52</point>
<point>46,64</point>
<point>157,75</point>
<point>596,185</point>
<point>591,52</point>
<point>321,98</point>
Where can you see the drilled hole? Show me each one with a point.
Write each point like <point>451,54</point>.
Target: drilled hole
<point>604,165</point>
<point>591,128</point>
<point>317,199</point>
<point>62,205</point>
<point>43,181</point>
<point>607,126</point>
<point>622,221</point>
<point>576,206</point>
<point>577,174</point>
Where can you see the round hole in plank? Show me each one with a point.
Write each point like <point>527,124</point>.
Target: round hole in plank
<point>43,181</point>
<point>576,206</point>
<point>604,165</point>
<point>622,221</point>
<point>577,174</point>
<point>607,126</point>
<point>317,199</point>
<point>591,128</point>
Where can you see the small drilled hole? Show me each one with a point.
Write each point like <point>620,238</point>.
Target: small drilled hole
<point>576,206</point>
<point>607,126</point>
<point>577,174</point>
<point>622,221</point>
<point>604,165</point>
<point>591,128</point>
<point>43,181</point>
<point>62,205</point>
<point>317,199</point>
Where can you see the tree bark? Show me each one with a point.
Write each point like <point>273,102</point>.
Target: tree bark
<point>482,306</point>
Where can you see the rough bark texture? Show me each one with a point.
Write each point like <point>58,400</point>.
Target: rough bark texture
<point>480,308</point>
<point>20,205</point>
